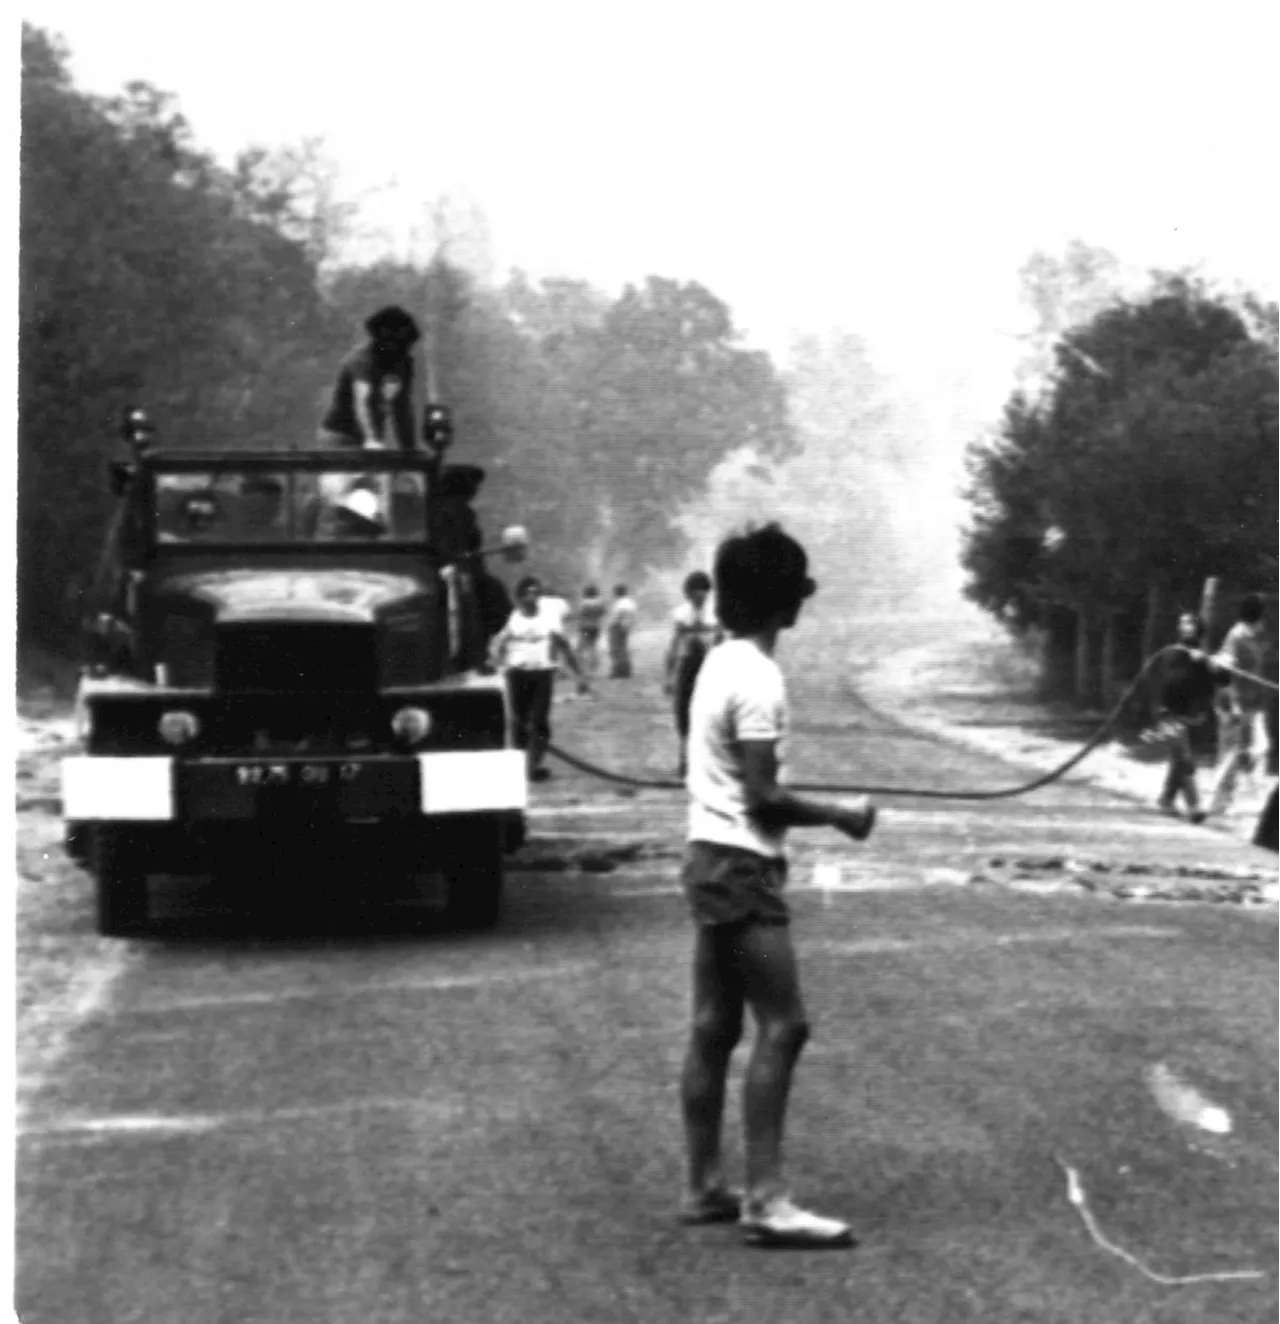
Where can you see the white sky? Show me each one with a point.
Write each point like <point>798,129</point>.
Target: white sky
<point>886,168</point>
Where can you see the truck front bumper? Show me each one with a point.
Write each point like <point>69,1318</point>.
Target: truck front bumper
<point>159,790</point>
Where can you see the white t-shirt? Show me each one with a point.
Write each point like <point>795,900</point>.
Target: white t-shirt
<point>694,624</point>
<point>740,695</point>
<point>528,640</point>
<point>622,613</point>
<point>556,608</point>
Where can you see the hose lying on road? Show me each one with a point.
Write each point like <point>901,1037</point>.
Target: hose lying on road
<point>839,788</point>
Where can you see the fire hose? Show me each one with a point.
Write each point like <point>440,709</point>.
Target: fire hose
<point>1003,793</point>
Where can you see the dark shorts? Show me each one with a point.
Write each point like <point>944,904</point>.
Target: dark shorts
<point>729,885</point>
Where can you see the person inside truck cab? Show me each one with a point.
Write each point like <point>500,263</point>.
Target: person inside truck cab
<point>372,400</point>
<point>356,514</point>
<point>262,508</point>
<point>197,518</point>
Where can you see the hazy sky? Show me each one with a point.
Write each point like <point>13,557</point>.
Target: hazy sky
<point>884,168</point>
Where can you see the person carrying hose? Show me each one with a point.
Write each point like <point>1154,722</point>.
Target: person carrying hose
<point>526,651</point>
<point>1186,699</point>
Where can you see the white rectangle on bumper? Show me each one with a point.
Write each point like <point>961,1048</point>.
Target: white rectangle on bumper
<point>470,781</point>
<point>117,789</point>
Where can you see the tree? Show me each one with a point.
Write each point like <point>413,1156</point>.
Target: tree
<point>147,275</point>
<point>661,393</point>
<point>1149,463</point>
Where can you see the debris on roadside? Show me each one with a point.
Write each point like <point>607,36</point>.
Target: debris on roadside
<point>565,855</point>
<point>1131,880</point>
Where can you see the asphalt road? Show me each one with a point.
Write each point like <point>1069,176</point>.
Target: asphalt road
<point>329,1126</point>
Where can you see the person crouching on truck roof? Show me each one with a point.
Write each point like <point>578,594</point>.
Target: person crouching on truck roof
<point>1186,699</point>
<point>1239,701</point>
<point>372,400</point>
<point>734,872</point>
<point>526,650</point>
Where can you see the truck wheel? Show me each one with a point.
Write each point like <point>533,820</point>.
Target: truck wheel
<point>473,879</point>
<point>120,867</point>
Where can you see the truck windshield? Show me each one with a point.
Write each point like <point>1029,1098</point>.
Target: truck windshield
<point>259,505</point>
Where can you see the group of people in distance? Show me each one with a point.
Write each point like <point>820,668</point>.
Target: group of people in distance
<point>535,642</point>
<point>614,621</point>
<point>1197,684</point>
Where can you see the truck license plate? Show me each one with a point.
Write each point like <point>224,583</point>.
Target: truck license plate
<point>296,774</point>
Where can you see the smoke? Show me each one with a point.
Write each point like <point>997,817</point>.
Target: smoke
<point>871,493</point>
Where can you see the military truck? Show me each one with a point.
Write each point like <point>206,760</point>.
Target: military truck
<point>284,681</point>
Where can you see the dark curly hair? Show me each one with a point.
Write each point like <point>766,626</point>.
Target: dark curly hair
<point>394,324</point>
<point>695,581</point>
<point>759,574</point>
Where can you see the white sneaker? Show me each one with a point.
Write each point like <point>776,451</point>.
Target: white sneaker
<point>780,1223</point>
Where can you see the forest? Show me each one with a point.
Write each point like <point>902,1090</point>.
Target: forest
<point>625,429</point>
<point>216,297</point>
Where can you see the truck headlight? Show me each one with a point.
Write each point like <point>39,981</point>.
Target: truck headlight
<point>178,727</point>
<point>411,726</point>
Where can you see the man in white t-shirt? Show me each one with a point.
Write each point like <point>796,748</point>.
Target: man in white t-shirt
<point>526,650</point>
<point>734,873</point>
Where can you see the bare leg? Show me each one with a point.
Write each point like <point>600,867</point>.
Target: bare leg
<point>717,1027</point>
<point>771,986</point>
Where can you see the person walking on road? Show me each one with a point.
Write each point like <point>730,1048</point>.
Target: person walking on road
<point>619,622</point>
<point>694,631</point>
<point>1186,699</point>
<point>526,650</point>
<point>733,877</point>
<point>591,610</point>
<point>1240,702</point>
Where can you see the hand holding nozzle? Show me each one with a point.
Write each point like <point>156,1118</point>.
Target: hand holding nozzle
<point>857,818</point>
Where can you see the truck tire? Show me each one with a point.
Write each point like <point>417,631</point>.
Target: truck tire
<point>473,878</point>
<point>120,869</point>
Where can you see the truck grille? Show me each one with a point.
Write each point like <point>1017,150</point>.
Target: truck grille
<point>293,657</point>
